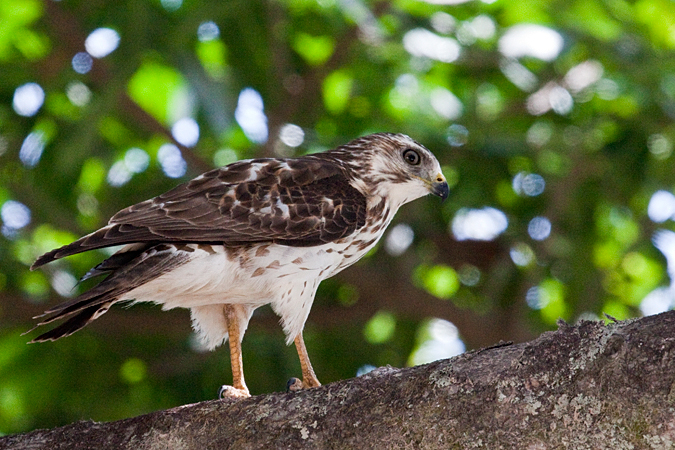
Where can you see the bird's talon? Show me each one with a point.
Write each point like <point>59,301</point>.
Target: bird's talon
<point>294,385</point>
<point>226,391</point>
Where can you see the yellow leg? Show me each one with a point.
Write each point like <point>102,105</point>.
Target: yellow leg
<point>309,379</point>
<point>238,388</point>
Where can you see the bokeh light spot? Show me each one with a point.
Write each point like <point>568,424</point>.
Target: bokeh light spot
<point>664,241</point>
<point>186,131</point>
<point>659,146</point>
<point>399,238</point>
<point>208,31</point>
<point>32,148</point>
<point>539,228</point>
<point>479,224</point>
<point>446,104</point>
<point>661,206</point>
<point>443,22</point>
<point>522,254</point>
<point>64,283</point>
<point>82,62</point>
<point>15,215</point>
<point>534,298</point>
<point>291,135</point>
<point>171,5</point>
<point>539,134</point>
<point>657,301</point>
<point>119,174</point>
<point>457,135</point>
<point>518,74</point>
<point>28,98</point>
<point>101,42</point>
<point>536,41</point>
<point>250,115</point>
<point>171,160</point>
<point>583,75</point>
<point>440,340</point>
<point>530,184</point>
<point>78,93</point>
<point>136,160</point>
<point>364,369</point>
<point>560,100</point>
<point>469,275</point>
<point>421,42</point>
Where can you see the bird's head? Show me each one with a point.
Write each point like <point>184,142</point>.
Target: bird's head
<point>395,167</point>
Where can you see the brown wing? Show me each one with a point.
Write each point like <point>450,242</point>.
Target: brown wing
<point>303,202</point>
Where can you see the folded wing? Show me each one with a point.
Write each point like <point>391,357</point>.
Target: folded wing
<point>303,202</point>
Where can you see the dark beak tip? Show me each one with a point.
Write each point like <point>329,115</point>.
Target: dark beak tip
<point>441,189</point>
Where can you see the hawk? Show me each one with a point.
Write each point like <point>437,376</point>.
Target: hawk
<point>255,232</point>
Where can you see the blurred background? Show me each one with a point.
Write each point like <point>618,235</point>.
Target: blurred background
<point>553,121</point>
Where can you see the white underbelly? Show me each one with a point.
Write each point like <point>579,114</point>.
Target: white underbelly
<point>251,279</point>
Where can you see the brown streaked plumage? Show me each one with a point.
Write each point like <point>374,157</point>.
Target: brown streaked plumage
<point>254,232</point>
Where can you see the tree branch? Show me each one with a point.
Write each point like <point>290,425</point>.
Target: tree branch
<point>585,386</point>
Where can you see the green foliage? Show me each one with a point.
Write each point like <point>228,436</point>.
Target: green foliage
<point>336,91</point>
<point>314,49</point>
<point>566,149</point>
<point>440,281</point>
<point>156,88</point>
<point>16,33</point>
<point>380,328</point>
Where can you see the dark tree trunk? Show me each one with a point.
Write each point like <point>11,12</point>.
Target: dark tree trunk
<point>591,386</point>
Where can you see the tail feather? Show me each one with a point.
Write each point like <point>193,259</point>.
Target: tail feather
<point>117,261</point>
<point>75,323</point>
<point>127,270</point>
<point>76,305</point>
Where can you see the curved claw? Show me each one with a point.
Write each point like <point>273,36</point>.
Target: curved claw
<point>226,391</point>
<point>294,384</point>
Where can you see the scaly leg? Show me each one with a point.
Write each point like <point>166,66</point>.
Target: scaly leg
<point>238,388</point>
<point>309,379</point>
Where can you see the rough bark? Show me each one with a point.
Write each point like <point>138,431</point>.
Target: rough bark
<point>590,386</point>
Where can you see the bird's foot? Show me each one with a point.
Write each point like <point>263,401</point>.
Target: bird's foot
<point>295,384</point>
<point>226,391</point>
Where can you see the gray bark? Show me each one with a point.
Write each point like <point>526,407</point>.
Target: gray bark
<point>590,386</point>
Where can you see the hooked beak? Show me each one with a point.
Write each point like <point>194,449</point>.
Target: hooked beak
<point>440,187</point>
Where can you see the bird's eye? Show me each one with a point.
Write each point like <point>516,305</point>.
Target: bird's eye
<point>411,157</point>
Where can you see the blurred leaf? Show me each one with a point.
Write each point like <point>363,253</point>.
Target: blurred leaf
<point>592,16</point>
<point>552,294</point>
<point>659,17</point>
<point>336,91</point>
<point>380,328</point>
<point>35,284</point>
<point>114,131</point>
<point>314,49</point>
<point>15,16</point>
<point>59,105</point>
<point>92,175</point>
<point>133,371</point>
<point>31,44</point>
<point>213,56</point>
<point>440,281</point>
<point>155,87</point>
